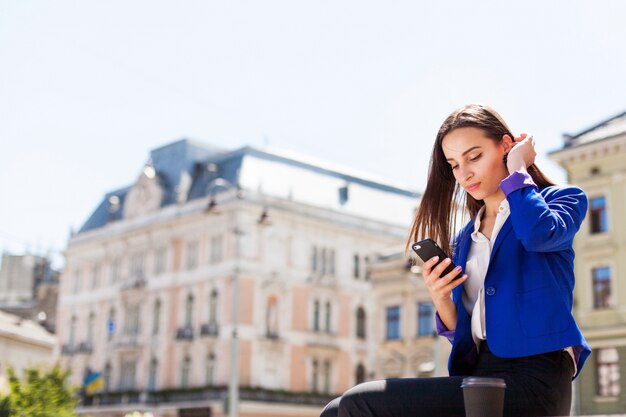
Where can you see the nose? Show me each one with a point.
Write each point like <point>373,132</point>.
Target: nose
<point>465,174</point>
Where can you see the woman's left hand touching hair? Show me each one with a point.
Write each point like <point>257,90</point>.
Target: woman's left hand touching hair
<point>522,154</point>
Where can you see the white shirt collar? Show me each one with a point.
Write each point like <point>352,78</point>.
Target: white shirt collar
<point>503,213</point>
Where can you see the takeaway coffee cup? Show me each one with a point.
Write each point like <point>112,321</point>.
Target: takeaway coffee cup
<point>483,397</point>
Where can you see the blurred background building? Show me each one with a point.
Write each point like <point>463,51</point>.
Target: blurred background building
<point>595,160</point>
<point>29,288</point>
<point>273,248</point>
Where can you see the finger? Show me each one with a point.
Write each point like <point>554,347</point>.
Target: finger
<point>452,285</point>
<point>451,275</point>
<point>442,266</point>
<point>428,265</point>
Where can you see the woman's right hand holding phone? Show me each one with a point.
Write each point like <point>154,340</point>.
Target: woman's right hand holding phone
<point>440,288</point>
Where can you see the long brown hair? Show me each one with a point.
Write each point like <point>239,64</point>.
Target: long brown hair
<point>436,216</point>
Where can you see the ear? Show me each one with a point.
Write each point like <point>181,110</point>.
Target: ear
<point>507,143</point>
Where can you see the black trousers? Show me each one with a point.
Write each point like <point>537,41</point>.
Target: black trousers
<point>539,385</point>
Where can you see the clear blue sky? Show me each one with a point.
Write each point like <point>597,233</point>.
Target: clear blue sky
<point>87,88</point>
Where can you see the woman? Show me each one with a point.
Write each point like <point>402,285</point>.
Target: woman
<point>507,307</point>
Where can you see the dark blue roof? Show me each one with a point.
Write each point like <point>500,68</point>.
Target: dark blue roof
<point>171,160</point>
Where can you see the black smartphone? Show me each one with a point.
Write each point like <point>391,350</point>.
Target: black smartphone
<point>428,248</point>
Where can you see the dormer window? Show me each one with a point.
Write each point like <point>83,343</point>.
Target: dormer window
<point>343,195</point>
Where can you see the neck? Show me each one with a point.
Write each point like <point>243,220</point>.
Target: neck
<point>492,203</point>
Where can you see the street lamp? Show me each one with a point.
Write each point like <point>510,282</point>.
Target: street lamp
<point>233,382</point>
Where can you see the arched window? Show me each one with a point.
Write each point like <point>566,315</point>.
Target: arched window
<point>213,307</point>
<point>189,311</point>
<point>210,369</point>
<point>152,374</point>
<point>156,316</point>
<point>360,323</point>
<point>316,316</point>
<point>360,374</point>
<point>185,372</point>
<point>272,317</point>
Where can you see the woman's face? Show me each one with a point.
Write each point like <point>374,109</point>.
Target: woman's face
<point>476,161</point>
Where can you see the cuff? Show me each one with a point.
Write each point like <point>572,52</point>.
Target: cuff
<point>515,181</point>
<point>442,330</point>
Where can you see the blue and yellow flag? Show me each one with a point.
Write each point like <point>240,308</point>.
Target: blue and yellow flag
<point>94,381</point>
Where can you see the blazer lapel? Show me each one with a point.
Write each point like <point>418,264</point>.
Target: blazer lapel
<point>504,231</point>
<point>463,250</point>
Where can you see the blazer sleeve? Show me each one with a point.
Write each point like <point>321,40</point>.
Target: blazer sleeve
<point>546,220</point>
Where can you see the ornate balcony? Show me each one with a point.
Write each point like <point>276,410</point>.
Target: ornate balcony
<point>209,329</point>
<point>184,333</point>
<point>85,347</point>
<point>68,350</point>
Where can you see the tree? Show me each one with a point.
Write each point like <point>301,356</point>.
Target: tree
<point>41,393</point>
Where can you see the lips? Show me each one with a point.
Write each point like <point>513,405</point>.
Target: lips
<point>472,187</point>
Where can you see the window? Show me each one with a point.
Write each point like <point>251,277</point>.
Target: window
<point>189,311</point>
<point>331,262</point>
<point>598,215</point>
<point>316,316</point>
<point>356,267</point>
<point>156,317</point>
<point>360,373</point>
<point>314,259</point>
<point>213,307</point>
<point>95,276</point>
<point>328,315</point>
<point>323,261</point>
<point>152,374</point>
<point>116,270</point>
<point>360,323</point>
<point>602,287</point>
<point>272,317</point>
<point>131,324</point>
<point>210,369</point>
<point>327,375</point>
<point>72,337</point>
<point>193,248</point>
<point>425,319</point>
<point>608,372</point>
<point>343,195</point>
<point>216,249</point>
<point>77,281</point>
<point>393,323</point>
<point>185,372</point>
<point>90,326</point>
<point>107,377</point>
<point>315,376</point>
<point>136,266</point>
<point>160,260</point>
<point>127,374</point>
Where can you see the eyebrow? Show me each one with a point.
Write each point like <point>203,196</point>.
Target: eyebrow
<point>465,153</point>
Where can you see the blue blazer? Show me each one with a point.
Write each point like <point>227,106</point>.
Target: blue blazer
<point>529,281</point>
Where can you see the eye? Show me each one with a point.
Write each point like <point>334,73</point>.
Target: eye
<point>454,166</point>
<point>476,158</point>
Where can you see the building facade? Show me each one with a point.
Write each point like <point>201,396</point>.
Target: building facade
<point>407,344</point>
<point>208,244</point>
<point>595,160</point>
